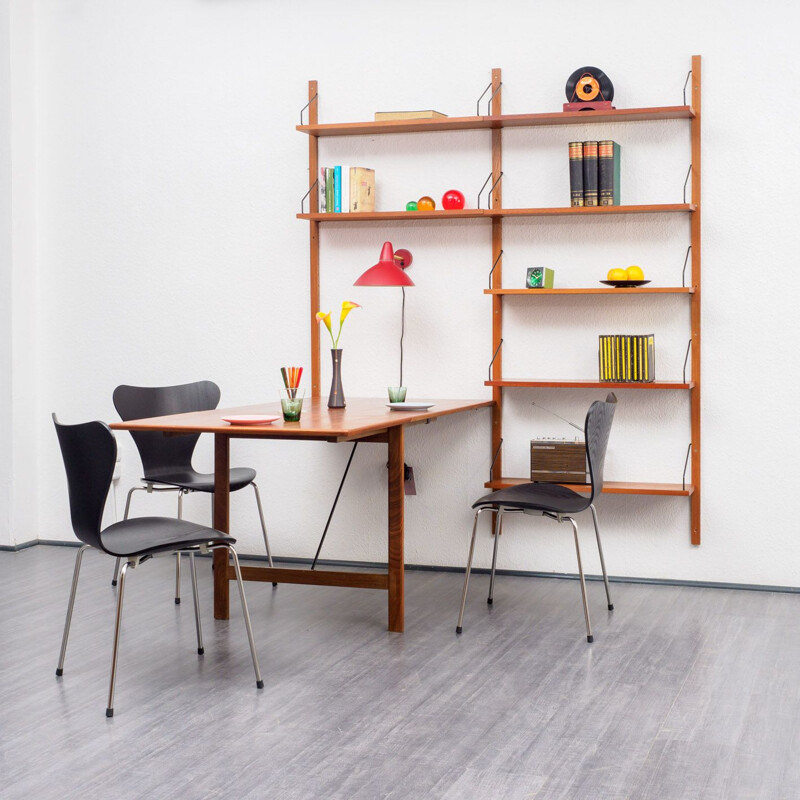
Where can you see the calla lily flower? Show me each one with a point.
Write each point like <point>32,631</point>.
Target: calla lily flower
<point>325,316</point>
<point>347,307</point>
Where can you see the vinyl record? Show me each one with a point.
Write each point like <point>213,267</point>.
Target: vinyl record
<point>587,84</point>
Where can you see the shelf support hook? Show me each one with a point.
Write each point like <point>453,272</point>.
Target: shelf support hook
<point>689,172</point>
<point>491,271</point>
<point>494,459</point>
<point>689,75</point>
<point>685,465</point>
<point>685,262</point>
<point>488,102</point>
<point>312,100</point>
<point>494,357</point>
<point>499,178</point>
<point>310,189</point>
<point>686,359</point>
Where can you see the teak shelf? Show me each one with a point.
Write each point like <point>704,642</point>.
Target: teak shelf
<point>605,290</point>
<point>570,384</point>
<point>609,487</point>
<point>496,122</point>
<point>495,213</point>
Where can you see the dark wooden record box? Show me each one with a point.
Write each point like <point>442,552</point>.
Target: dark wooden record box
<point>558,461</point>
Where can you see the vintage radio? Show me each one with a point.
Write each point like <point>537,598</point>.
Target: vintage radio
<point>559,461</point>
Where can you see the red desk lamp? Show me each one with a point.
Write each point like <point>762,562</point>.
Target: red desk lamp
<point>389,272</point>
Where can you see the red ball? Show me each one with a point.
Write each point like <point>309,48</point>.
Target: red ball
<point>452,199</point>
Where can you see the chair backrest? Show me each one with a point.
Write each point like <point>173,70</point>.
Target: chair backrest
<point>89,451</point>
<point>162,454</point>
<point>596,431</point>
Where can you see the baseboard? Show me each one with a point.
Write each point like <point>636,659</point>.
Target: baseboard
<point>519,573</point>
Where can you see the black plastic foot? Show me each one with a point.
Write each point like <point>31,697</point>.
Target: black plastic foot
<point>274,585</point>
<point>458,629</point>
<point>610,606</point>
<point>59,672</point>
<point>113,583</point>
<point>590,639</point>
<point>177,601</point>
<point>259,684</point>
<point>489,600</point>
<point>109,712</point>
<point>200,650</point>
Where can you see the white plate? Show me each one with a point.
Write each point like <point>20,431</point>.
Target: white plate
<point>418,405</point>
<point>249,419</point>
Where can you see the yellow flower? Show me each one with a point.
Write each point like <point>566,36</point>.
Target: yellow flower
<point>347,307</point>
<point>325,316</point>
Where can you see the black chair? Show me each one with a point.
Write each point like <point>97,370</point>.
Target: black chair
<point>89,451</point>
<point>553,501</point>
<point>167,460</point>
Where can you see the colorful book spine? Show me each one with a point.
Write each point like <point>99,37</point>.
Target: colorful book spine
<point>576,173</point>
<point>329,189</point>
<point>323,206</point>
<point>608,159</point>
<point>590,196</point>
<point>337,189</point>
<point>345,189</point>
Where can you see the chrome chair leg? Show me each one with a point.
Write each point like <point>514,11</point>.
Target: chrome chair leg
<point>178,555</point>
<point>115,651</point>
<point>198,624</point>
<point>498,523</point>
<point>263,525</point>
<point>602,560</point>
<point>70,606</point>
<point>127,509</point>
<point>469,568</point>
<point>237,569</point>
<point>589,637</point>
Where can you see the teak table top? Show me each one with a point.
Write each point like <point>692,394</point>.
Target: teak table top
<point>363,416</point>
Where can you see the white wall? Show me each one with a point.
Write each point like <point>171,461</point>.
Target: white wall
<point>19,418</point>
<point>170,175</point>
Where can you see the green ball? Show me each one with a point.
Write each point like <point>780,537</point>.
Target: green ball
<point>411,205</point>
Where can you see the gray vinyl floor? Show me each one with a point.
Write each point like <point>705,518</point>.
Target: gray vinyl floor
<point>685,693</point>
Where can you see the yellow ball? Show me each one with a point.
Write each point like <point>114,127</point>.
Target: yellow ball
<point>617,275</point>
<point>426,204</point>
<point>635,273</point>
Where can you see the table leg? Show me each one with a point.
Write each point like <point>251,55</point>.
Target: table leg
<point>222,498</point>
<point>396,528</point>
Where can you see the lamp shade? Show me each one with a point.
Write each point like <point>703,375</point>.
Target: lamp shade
<point>386,272</point>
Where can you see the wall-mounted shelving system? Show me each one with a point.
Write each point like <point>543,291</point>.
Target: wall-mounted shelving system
<point>496,121</point>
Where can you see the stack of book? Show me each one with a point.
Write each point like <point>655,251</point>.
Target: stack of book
<point>594,173</point>
<point>344,189</point>
<point>628,358</point>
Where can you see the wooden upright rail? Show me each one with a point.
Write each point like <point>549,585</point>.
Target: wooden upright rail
<point>497,276</point>
<point>695,301</point>
<point>313,235</point>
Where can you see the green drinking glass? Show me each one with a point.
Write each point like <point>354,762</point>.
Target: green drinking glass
<point>397,394</point>
<point>291,403</point>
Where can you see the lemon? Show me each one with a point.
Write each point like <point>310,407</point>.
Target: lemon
<point>617,275</point>
<point>635,273</point>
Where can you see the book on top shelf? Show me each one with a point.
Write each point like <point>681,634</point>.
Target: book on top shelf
<point>385,116</point>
